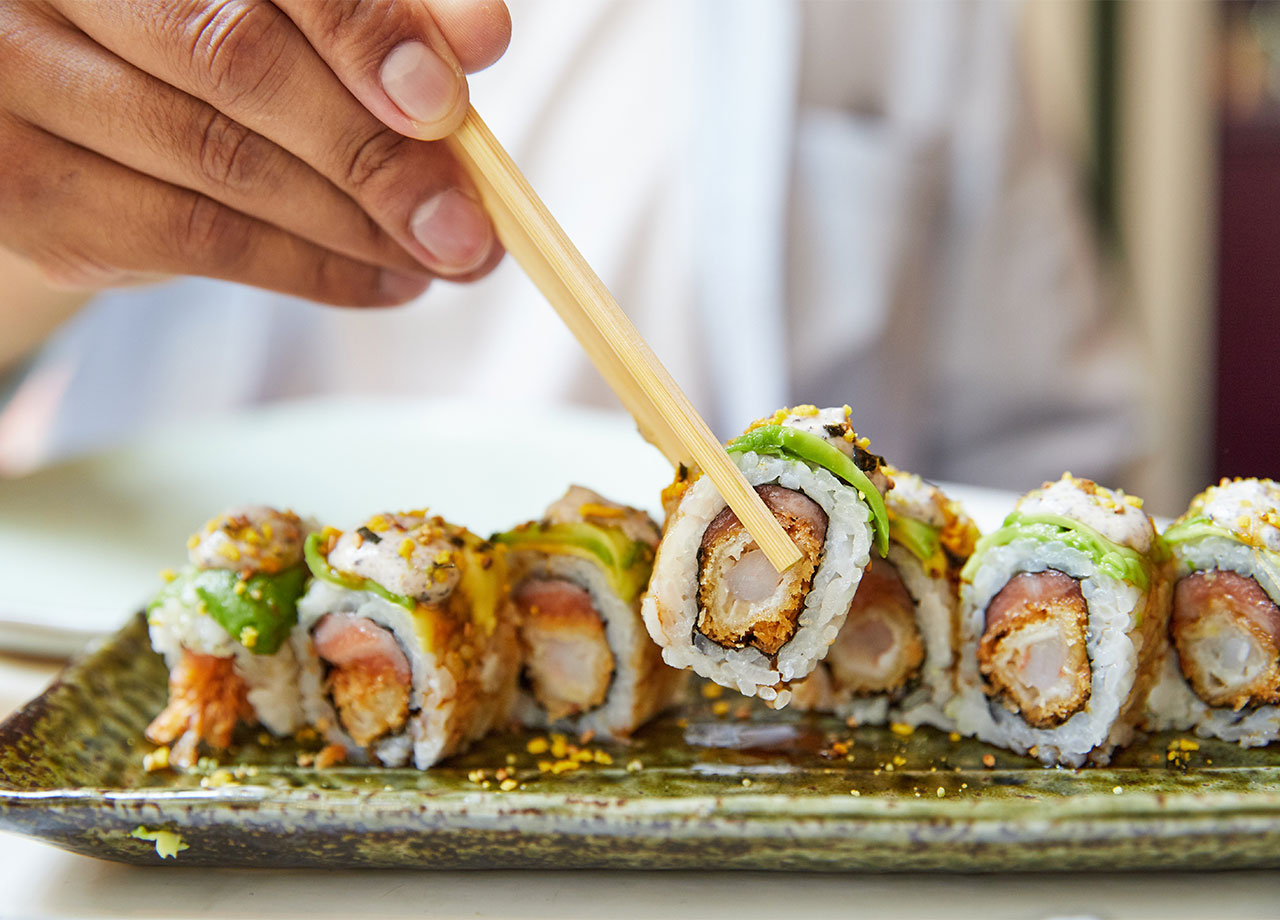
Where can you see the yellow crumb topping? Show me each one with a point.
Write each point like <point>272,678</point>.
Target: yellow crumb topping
<point>804,411</point>
<point>168,843</point>
<point>156,760</point>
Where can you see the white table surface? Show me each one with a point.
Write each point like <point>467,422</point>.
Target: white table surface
<point>37,880</point>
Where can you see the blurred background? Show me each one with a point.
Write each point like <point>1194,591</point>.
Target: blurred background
<point>1172,111</point>
<point>1101,176</point>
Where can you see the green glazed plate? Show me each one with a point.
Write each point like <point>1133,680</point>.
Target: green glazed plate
<point>701,788</point>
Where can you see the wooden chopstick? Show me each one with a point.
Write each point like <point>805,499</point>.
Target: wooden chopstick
<point>661,410</point>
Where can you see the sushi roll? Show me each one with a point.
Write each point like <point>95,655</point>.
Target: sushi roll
<point>716,604</point>
<point>1222,672</point>
<point>1062,615</point>
<point>222,623</point>
<point>892,659</point>
<point>406,639</point>
<point>588,665</point>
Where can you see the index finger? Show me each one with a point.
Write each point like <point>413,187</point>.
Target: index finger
<point>403,60</point>
<point>252,63</point>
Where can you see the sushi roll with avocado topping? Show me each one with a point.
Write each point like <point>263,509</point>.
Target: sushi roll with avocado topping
<point>406,639</point>
<point>716,604</point>
<point>1222,672</point>
<point>222,623</point>
<point>577,576</point>
<point>893,658</point>
<point>1063,611</point>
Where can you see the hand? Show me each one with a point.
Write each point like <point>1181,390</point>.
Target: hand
<point>285,145</point>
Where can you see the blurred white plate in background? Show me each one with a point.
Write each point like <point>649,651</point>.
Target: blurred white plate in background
<point>82,543</point>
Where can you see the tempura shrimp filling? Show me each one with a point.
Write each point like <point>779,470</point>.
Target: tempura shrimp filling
<point>367,676</point>
<point>568,666</point>
<point>879,649</point>
<point>742,600</point>
<point>206,700</point>
<point>1227,633</point>
<point>1034,651</point>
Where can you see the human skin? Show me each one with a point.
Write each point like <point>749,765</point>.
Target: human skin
<point>292,145</point>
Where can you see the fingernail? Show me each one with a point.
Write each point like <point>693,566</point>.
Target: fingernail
<point>397,287</point>
<point>454,229</point>
<point>419,82</point>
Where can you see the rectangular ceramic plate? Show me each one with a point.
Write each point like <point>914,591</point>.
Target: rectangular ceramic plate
<point>702,788</point>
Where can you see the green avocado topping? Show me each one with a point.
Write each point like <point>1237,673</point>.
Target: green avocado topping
<point>627,563</point>
<point>321,569</point>
<point>924,541</point>
<point>257,612</point>
<point>1201,526</point>
<point>1196,527</point>
<point>1117,561</point>
<point>794,444</point>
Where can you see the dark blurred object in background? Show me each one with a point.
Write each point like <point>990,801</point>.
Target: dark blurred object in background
<point>1247,435</point>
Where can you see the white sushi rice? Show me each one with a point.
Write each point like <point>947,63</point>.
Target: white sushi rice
<point>638,690</point>
<point>670,608</point>
<point>433,731</point>
<point>179,623</point>
<point>925,703</point>
<point>935,610</point>
<point>1114,644</point>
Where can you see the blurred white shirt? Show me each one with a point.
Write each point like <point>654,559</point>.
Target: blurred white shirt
<point>827,202</point>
